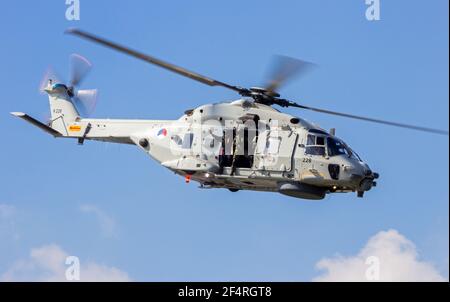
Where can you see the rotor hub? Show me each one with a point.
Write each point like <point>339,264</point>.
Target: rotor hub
<point>259,90</point>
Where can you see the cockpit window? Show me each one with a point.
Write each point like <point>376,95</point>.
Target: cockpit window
<point>320,140</point>
<point>356,155</point>
<point>311,140</point>
<point>315,145</point>
<point>315,150</point>
<point>336,147</point>
<point>315,140</point>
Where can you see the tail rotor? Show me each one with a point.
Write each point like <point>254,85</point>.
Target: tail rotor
<point>79,69</point>
<point>85,100</point>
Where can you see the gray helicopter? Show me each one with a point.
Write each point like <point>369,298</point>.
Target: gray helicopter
<point>244,144</point>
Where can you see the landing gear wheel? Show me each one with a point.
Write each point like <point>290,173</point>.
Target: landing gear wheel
<point>234,190</point>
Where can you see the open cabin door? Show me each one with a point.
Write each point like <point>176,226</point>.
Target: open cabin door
<point>275,150</point>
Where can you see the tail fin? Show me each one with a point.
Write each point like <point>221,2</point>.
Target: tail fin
<point>64,115</point>
<point>63,112</point>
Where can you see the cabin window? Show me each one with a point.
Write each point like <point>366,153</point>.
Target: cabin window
<point>187,141</point>
<point>177,139</point>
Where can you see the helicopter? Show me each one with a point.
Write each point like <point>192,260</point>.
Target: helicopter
<point>245,144</point>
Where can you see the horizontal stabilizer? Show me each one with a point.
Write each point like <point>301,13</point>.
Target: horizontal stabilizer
<point>37,123</point>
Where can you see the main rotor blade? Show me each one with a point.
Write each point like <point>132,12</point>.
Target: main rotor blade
<point>373,120</point>
<point>179,70</point>
<point>284,69</point>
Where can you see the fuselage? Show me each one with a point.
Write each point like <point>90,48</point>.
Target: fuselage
<point>244,145</point>
<point>238,145</point>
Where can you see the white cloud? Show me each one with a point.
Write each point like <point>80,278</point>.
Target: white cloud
<point>47,263</point>
<point>398,261</point>
<point>107,223</point>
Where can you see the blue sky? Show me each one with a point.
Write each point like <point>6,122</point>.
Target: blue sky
<point>113,206</point>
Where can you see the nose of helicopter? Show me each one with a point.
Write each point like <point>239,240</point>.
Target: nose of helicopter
<point>357,168</point>
<point>360,174</point>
